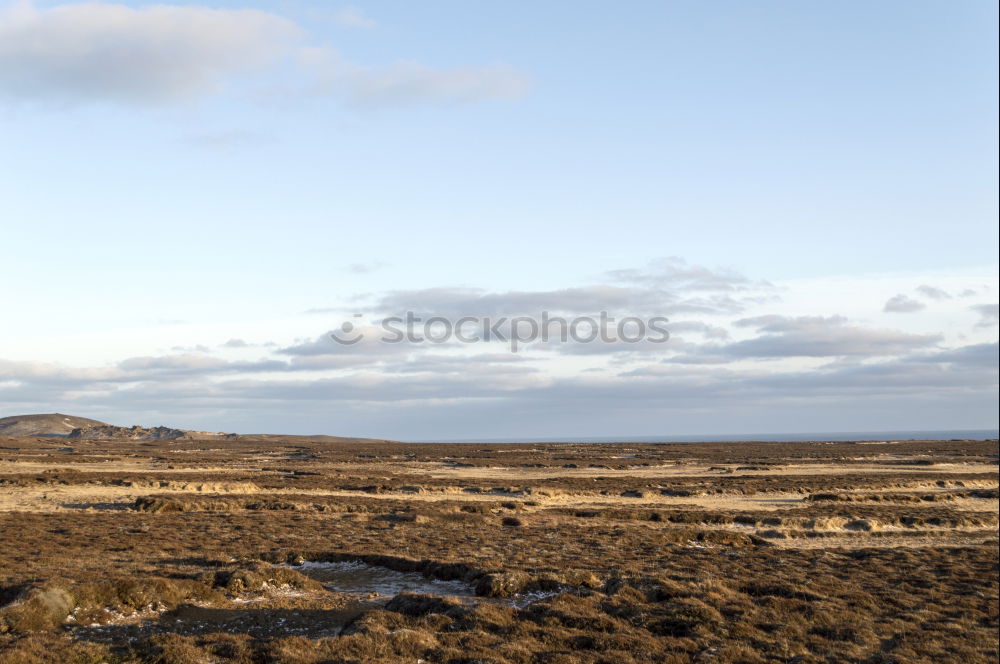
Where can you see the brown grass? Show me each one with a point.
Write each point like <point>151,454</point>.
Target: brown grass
<point>177,552</point>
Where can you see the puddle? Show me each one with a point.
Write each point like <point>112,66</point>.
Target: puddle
<point>370,585</point>
<point>357,578</point>
<point>376,583</point>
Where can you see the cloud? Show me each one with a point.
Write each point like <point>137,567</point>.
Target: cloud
<point>675,273</point>
<point>458,302</point>
<point>352,17</point>
<point>666,288</point>
<point>988,314</point>
<point>408,83</point>
<point>485,364</point>
<point>975,355</point>
<point>700,357</point>
<point>820,336</point>
<point>933,293</point>
<point>45,372</point>
<point>102,52</point>
<point>186,364</point>
<point>198,348</point>
<point>449,396</point>
<point>698,327</point>
<point>242,343</point>
<point>365,268</point>
<point>908,375</point>
<point>107,52</point>
<point>902,304</point>
<point>368,350</point>
<point>816,368</point>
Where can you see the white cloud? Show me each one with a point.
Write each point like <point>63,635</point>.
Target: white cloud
<point>771,362</point>
<point>664,288</point>
<point>675,273</point>
<point>510,393</point>
<point>822,336</point>
<point>406,83</point>
<point>77,53</point>
<point>163,53</point>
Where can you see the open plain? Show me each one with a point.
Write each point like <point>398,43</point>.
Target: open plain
<point>292,550</point>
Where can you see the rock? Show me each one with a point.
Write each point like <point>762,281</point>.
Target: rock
<point>111,432</point>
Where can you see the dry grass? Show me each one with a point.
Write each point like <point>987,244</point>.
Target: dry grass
<point>175,552</point>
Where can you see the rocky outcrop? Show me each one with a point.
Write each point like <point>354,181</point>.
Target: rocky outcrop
<point>111,432</point>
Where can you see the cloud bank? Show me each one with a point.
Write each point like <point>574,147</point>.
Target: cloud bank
<point>100,52</point>
<point>731,360</point>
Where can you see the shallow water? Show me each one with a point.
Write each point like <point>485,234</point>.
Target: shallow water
<point>357,578</point>
<point>381,583</point>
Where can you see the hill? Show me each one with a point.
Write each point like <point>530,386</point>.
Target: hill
<point>56,425</point>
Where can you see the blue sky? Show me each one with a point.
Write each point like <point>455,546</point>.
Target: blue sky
<point>173,177</point>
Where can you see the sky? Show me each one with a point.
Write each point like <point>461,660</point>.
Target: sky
<point>192,197</point>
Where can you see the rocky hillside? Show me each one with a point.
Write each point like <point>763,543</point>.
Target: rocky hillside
<point>55,425</point>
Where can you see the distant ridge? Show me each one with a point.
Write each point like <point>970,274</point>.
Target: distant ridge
<point>58,425</point>
<point>54,425</point>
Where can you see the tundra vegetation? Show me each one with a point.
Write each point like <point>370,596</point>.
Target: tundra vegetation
<point>197,551</point>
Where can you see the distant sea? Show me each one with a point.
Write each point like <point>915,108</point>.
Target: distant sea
<point>946,434</point>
